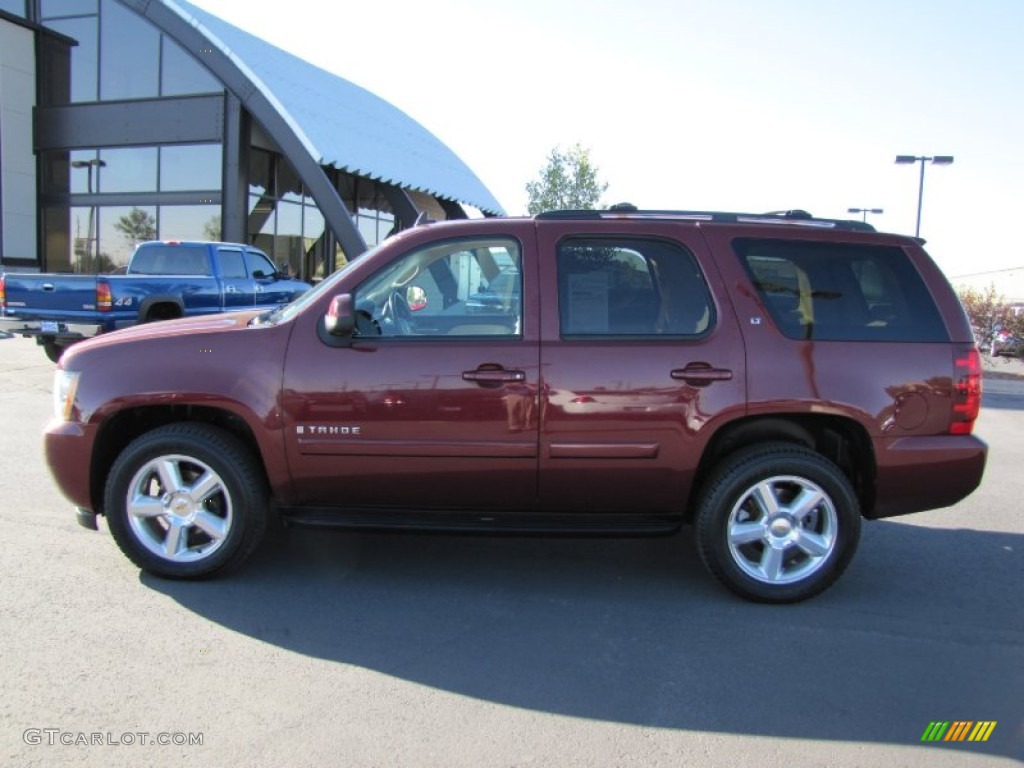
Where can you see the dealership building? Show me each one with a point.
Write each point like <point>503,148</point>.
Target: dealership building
<point>128,120</point>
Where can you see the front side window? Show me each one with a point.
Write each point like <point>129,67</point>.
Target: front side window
<point>469,287</point>
<point>259,265</point>
<point>629,287</point>
<point>841,292</point>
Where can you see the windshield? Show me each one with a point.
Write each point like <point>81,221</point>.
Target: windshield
<point>289,311</point>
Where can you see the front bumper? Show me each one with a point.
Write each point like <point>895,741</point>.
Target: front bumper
<point>68,447</point>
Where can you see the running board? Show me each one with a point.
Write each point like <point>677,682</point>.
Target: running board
<point>565,523</point>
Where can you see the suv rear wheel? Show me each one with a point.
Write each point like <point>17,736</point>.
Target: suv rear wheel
<point>777,523</point>
<point>185,501</point>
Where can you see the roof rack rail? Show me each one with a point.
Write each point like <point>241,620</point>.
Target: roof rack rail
<point>627,210</point>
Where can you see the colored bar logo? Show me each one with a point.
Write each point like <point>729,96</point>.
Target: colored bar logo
<point>958,730</point>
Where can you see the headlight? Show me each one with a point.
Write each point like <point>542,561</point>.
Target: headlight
<point>65,384</point>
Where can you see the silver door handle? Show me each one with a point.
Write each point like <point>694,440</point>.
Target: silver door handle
<point>496,375</point>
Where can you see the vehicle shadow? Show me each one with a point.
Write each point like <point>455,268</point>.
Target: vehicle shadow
<point>633,631</point>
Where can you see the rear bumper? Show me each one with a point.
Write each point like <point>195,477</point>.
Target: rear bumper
<point>58,329</point>
<point>920,473</point>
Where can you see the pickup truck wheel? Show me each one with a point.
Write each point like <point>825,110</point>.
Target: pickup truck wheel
<point>186,501</point>
<point>777,523</point>
<point>53,350</point>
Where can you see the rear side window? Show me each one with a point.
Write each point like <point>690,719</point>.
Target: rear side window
<point>231,263</point>
<point>842,292</point>
<point>630,287</point>
<point>170,260</point>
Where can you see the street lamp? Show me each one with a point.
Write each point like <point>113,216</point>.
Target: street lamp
<point>865,211</point>
<point>922,159</point>
<point>90,232</point>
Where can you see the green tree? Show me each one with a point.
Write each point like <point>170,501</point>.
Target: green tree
<point>137,226</point>
<point>989,313</point>
<point>211,228</point>
<point>568,181</point>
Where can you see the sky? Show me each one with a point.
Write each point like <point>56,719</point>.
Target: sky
<point>738,105</point>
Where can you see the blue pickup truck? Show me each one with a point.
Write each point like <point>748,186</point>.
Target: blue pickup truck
<point>164,280</point>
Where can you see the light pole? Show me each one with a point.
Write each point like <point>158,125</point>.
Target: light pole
<point>90,232</point>
<point>922,159</point>
<point>865,211</point>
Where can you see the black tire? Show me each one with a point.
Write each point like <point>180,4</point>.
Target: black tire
<point>53,350</point>
<point>165,522</point>
<point>777,523</point>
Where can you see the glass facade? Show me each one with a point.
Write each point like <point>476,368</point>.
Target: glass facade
<point>84,56</point>
<point>16,7</point>
<point>180,74</point>
<point>190,167</point>
<point>131,169</point>
<point>97,202</point>
<point>365,199</point>
<point>102,237</point>
<point>189,222</point>
<point>50,8</point>
<point>284,222</point>
<point>177,168</point>
<point>129,69</point>
<point>122,56</point>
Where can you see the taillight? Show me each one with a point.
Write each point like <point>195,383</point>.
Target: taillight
<point>3,293</point>
<point>966,389</point>
<point>104,298</point>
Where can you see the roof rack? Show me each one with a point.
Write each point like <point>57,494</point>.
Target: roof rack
<point>795,216</point>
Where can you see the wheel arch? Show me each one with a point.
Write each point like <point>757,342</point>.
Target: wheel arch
<point>841,440</point>
<point>121,428</point>
<point>163,307</point>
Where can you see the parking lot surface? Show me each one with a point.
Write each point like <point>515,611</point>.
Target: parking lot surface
<point>332,648</point>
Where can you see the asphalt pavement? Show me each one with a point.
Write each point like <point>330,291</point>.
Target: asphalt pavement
<point>331,648</point>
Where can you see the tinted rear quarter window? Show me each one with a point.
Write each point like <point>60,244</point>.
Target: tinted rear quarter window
<point>842,292</point>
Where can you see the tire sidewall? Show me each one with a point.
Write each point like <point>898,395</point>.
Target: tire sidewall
<point>53,351</point>
<point>734,480</point>
<point>221,453</point>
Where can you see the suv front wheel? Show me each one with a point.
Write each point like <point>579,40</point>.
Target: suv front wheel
<point>185,501</point>
<point>777,523</point>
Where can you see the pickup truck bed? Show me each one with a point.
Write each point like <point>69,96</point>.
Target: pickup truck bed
<point>191,279</point>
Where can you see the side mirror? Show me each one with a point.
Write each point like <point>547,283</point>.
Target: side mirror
<point>340,319</point>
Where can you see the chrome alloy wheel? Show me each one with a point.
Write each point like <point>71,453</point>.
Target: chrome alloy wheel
<point>179,508</point>
<point>782,530</point>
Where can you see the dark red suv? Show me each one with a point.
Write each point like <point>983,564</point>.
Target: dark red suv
<point>771,379</point>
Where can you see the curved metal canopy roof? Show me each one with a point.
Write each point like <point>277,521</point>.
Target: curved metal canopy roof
<point>341,124</point>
